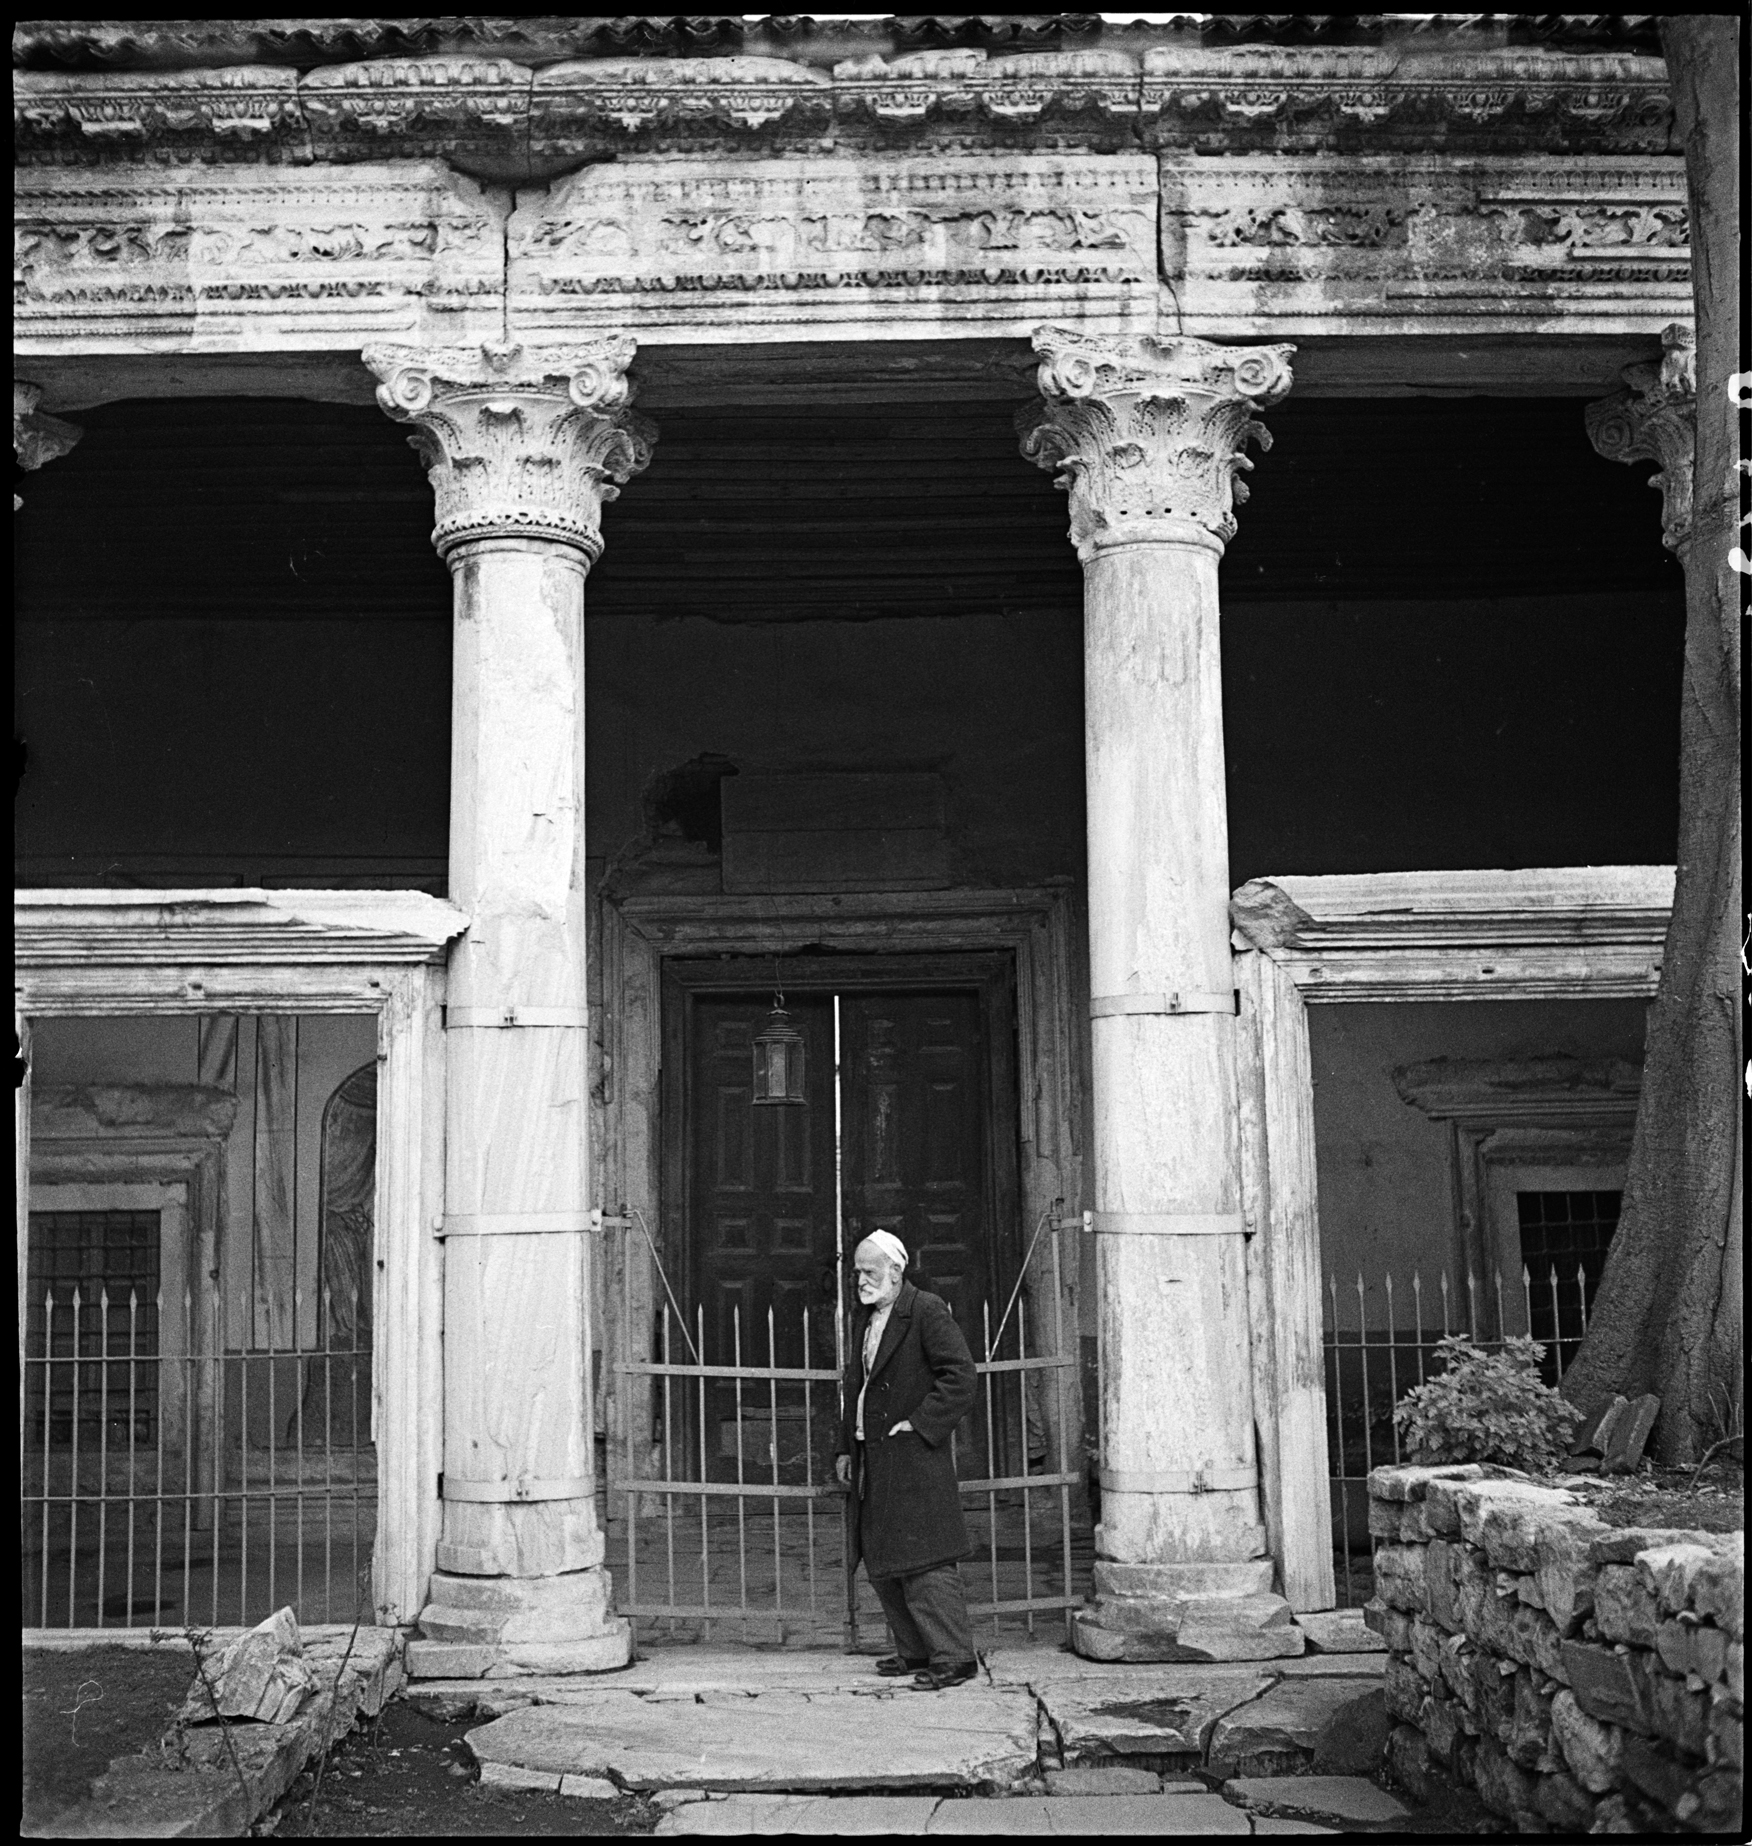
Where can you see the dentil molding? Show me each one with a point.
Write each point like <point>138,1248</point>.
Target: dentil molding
<point>518,442</point>
<point>1147,435</point>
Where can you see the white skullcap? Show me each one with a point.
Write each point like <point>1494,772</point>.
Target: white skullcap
<point>889,1245</point>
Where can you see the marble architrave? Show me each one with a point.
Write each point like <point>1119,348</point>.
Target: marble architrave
<point>1382,244</point>
<point>136,258</point>
<point>719,250</point>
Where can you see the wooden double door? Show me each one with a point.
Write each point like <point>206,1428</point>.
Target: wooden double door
<point>912,1129</point>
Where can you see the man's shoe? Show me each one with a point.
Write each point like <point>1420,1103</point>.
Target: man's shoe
<point>893,1666</point>
<point>931,1681</point>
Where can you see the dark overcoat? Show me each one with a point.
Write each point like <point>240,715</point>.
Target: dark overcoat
<point>904,1486</point>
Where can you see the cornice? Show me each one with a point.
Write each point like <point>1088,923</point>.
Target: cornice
<point>1557,1091</point>
<point>505,117</point>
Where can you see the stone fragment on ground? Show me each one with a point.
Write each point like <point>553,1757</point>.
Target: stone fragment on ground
<point>1325,1723</point>
<point>1108,1779</point>
<point>262,1675</point>
<point>970,1737</point>
<point>1340,1631</point>
<point>1160,1712</point>
<point>1340,1799</point>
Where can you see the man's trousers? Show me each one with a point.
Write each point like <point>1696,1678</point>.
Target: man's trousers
<point>927,1615</point>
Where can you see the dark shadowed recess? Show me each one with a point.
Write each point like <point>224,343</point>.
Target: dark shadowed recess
<point>1451,634</point>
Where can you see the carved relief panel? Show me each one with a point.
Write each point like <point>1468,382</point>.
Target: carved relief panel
<point>259,258</point>
<point>1342,243</point>
<point>944,246</point>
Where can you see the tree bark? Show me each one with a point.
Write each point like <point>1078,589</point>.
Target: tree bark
<point>1668,1316</point>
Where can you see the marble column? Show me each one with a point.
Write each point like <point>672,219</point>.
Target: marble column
<point>36,436</point>
<point>522,447</point>
<point>1147,436</point>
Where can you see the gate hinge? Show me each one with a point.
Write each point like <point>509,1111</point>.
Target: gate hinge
<point>1079,1221</point>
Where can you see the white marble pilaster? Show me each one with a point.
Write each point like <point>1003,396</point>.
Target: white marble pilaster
<point>523,447</point>
<point>1147,437</point>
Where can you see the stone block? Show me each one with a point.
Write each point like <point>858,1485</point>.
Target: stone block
<point>1594,1750</point>
<point>1667,1573</point>
<point>1727,1736</point>
<point>1410,1481</point>
<point>1409,1764</point>
<point>1354,1739</point>
<point>1656,1772</point>
<point>1596,1429</point>
<point>1392,1625</point>
<point>1529,1735</point>
<point>1690,1646</point>
<point>1348,1800</point>
<point>1404,1690</point>
<point>1399,1577</point>
<point>1718,1591</point>
<point>511,1775</point>
<point>1281,1733</point>
<point>1508,1627</point>
<point>588,1788</point>
<point>1733,1673</point>
<point>1170,1581</point>
<point>1386,1518</point>
<point>1621,1544</point>
<point>1162,1714</point>
<point>1629,1435</point>
<point>1103,1779</point>
<point>1612,1685</point>
<point>1503,1785</point>
<point>1681,1716</point>
<point>262,1675</point>
<point>1339,1631</point>
<point>1561,1800</point>
<point>1456,1659</point>
<point>1565,1571</point>
<point>1624,1606</point>
<point>1442,1726</point>
<point>1441,1508</point>
<point>1426,1643</point>
<point>1714,1804</point>
<point>1441,1556</point>
<point>1493,1682</point>
<point>1474,1586</point>
<point>488,1610</point>
<point>1499,1509</point>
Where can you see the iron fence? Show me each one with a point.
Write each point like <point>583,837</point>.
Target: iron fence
<point>723,1505</point>
<point>165,1479</point>
<point>1381,1341</point>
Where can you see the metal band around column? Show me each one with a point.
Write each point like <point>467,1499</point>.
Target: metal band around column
<point>494,1493</point>
<point>515,1223</point>
<point>460,1018</point>
<point>1170,1224</point>
<point>1199,1480</point>
<point>1111,1006</point>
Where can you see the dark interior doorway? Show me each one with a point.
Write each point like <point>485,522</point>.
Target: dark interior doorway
<point>913,1127</point>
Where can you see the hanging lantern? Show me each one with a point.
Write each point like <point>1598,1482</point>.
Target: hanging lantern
<point>778,1058</point>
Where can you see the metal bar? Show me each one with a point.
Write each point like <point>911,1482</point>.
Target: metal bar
<point>353,1419</point>
<point>788,1373</point>
<point>753,1490</point>
<point>1363,1350</point>
<point>1064,1492</point>
<point>243,1359</point>
<point>773,1457</point>
<point>705,1532</point>
<point>1337,1411</point>
<point>1027,1521</point>
<point>629,1416</point>
<point>133,1334</point>
<point>1015,1605</point>
<point>328,1442</point>
<point>73,1473</point>
<point>668,1461</point>
<point>985,1308</point>
<point>48,1397</point>
<point>1556,1327</point>
<point>1044,1364</point>
<point>273,1419</point>
<point>103,1371</point>
<point>808,1471</point>
<point>1392,1362</point>
<point>741,1505</point>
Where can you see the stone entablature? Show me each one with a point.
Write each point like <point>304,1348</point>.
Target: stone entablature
<point>509,120</point>
<point>1583,1677</point>
<point>136,256</point>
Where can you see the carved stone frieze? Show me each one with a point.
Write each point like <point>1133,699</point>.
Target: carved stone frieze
<point>501,117</point>
<point>36,436</point>
<point>1147,435</point>
<point>270,257</point>
<point>971,245</point>
<point>1310,244</point>
<point>518,442</point>
<point>1655,419</point>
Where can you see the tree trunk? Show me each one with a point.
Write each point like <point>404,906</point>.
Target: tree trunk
<point>1668,1317</point>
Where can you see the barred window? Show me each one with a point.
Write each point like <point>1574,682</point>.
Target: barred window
<point>1567,1232</point>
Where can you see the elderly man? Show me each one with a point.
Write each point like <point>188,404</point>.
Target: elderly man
<point>910,1381</point>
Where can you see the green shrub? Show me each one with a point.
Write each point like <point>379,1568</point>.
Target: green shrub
<point>1487,1406</point>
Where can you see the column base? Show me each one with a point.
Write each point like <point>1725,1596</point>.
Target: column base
<point>501,1627</point>
<point>1188,1612</point>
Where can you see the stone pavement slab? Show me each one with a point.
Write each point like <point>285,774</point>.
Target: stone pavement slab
<point>1298,1719</point>
<point>1269,1823</point>
<point>1104,1779</point>
<point>1334,1666</point>
<point>1340,1631</point>
<point>1093,1816</point>
<point>1335,1798</point>
<point>970,1737</point>
<point>1163,1711</point>
<point>806,1814</point>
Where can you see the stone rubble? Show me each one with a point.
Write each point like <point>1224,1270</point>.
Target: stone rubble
<point>1578,1676</point>
<point>262,1675</point>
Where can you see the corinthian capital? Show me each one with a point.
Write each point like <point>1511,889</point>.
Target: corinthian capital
<point>518,442</point>
<point>1147,434</point>
<point>1655,419</point>
<point>37,437</point>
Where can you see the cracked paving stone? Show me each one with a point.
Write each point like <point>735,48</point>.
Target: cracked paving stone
<point>1339,1798</point>
<point>1159,1712</point>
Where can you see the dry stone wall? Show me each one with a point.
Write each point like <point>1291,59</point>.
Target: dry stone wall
<point>1579,1676</point>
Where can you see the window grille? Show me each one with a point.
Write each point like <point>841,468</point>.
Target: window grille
<point>1567,1232</point>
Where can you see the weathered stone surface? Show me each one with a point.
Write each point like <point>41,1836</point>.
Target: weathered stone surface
<point>1709,1581</point>
<point>1727,1735</point>
<point>588,1788</point>
<point>1441,1556</point>
<point>1502,1785</point>
<point>1354,1741</point>
<point>1456,1663</point>
<point>1157,1816</point>
<point>1657,1772</point>
<point>1715,1803</point>
<point>1426,1647</point>
<point>1272,1823</point>
<point>1733,1672</point>
<point>1386,1519</point>
<point>1340,1798</point>
<point>262,1675</point>
<point>1173,1716</point>
<point>740,1815</point>
<point>1611,1686</point>
<point>966,1738</point>
<point>511,1775</point>
<point>1593,1750</point>
<point>1404,1690</point>
<point>1408,1481</point>
<point>1680,1715</point>
<point>1280,1733</point>
<point>1620,1544</point>
<point>523,1610</point>
<point>1392,1625</point>
<point>1565,1572</point>
<point>1252,1578</point>
<point>1629,1435</point>
<point>1339,1632</point>
<point>1103,1779</point>
<point>1364,1668</point>
<point>471,1660</point>
<point>1399,1577</point>
<point>1561,1800</point>
<point>1494,1695</point>
<point>1498,1508</point>
<point>1528,1739</point>
<point>1624,1605</point>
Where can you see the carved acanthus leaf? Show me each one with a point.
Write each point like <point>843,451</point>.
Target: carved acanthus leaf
<point>518,442</point>
<point>1655,419</point>
<point>1147,435</point>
